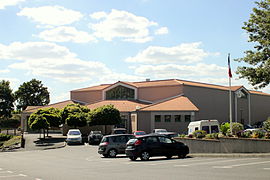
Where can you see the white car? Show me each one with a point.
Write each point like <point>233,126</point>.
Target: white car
<point>159,131</point>
<point>74,136</point>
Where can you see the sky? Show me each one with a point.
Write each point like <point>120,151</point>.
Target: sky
<point>71,44</point>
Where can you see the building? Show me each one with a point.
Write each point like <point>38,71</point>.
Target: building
<point>172,103</point>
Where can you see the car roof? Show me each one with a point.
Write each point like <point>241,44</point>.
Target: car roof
<point>74,130</point>
<point>151,135</point>
<point>112,135</point>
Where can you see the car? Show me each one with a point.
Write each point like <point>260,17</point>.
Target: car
<point>155,145</point>
<point>74,136</point>
<point>111,145</point>
<point>170,134</point>
<point>119,131</point>
<point>94,137</point>
<point>157,131</point>
<point>139,133</point>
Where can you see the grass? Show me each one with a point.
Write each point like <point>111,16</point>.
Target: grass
<point>13,141</point>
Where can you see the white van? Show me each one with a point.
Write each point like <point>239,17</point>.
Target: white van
<point>210,126</point>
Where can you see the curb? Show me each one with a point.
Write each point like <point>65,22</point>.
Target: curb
<point>56,147</point>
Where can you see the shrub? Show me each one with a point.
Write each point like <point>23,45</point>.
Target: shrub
<point>191,136</point>
<point>266,124</point>
<point>212,136</point>
<point>267,135</point>
<point>199,133</point>
<point>236,127</point>
<point>257,134</point>
<point>182,135</point>
<point>5,137</point>
<point>246,134</point>
<point>224,128</point>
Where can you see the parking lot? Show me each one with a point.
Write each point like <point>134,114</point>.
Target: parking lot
<point>83,162</point>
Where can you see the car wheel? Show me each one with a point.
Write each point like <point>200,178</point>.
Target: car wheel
<point>112,153</point>
<point>133,158</point>
<point>145,156</point>
<point>169,156</point>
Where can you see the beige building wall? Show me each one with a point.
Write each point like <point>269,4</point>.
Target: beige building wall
<point>86,96</point>
<point>158,93</point>
<point>212,103</point>
<point>144,121</point>
<point>260,108</point>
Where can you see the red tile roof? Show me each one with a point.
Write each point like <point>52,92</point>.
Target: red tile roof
<point>179,103</point>
<point>121,105</point>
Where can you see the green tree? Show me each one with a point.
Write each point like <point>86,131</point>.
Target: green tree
<point>266,125</point>
<point>75,115</point>
<point>6,100</point>
<point>38,122</point>
<point>104,115</point>
<point>258,29</point>
<point>32,93</point>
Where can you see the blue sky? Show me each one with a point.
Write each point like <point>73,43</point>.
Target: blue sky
<point>71,44</point>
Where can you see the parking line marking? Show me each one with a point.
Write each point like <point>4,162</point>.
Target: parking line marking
<point>181,160</point>
<point>6,172</point>
<point>10,176</point>
<point>186,165</point>
<point>266,168</point>
<point>246,164</point>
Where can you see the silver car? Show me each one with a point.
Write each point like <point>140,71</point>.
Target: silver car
<point>74,136</point>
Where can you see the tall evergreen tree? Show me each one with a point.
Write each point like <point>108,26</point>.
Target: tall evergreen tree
<point>32,93</point>
<point>258,29</point>
<point>6,100</point>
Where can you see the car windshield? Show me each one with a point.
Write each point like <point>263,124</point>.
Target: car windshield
<point>161,130</point>
<point>140,133</point>
<point>119,132</point>
<point>74,133</point>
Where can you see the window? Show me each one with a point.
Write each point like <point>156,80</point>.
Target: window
<point>167,118</point>
<point>151,140</point>
<point>214,129</point>
<point>187,118</point>
<point>206,128</point>
<point>164,140</point>
<point>120,92</point>
<point>157,118</point>
<point>177,118</point>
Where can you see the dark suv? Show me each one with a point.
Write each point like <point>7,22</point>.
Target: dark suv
<point>94,137</point>
<point>155,145</point>
<point>112,145</point>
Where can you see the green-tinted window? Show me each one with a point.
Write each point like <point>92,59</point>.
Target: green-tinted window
<point>120,92</point>
<point>157,118</point>
<point>177,118</point>
<point>167,118</point>
<point>187,118</point>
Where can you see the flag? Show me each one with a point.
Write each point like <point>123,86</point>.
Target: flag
<point>229,66</point>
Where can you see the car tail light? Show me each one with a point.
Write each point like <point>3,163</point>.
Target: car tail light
<point>104,144</point>
<point>138,142</point>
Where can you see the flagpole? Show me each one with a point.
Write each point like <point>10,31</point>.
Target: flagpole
<point>230,92</point>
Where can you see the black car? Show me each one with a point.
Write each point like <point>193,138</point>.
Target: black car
<point>95,137</point>
<point>155,145</point>
<point>111,145</point>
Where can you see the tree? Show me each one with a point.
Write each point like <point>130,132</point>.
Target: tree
<point>75,115</point>
<point>45,118</point>
<point>32,93</point>
<point>258,29</point>
<point>6,100</point>
<point>104,115</point>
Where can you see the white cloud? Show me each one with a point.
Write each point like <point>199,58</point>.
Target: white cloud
<point>34,51</point>
<point>57,62</point>
<point>65,34</point>
<point>58,97</point>
<point>13,81</point>
<point>5,3</point>
<point>183,53</point>
<point>51,15</point>
<point>5,71</point>
<point>162,30</point>
<point>121,24</point>
<point>181,71</point>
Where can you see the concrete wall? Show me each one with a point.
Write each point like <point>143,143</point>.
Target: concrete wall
<point>144,121</point>
<point>227,145</point>
<point>158,93</point>
<point>86,96</point>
